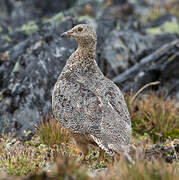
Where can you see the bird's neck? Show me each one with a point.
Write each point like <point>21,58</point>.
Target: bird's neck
<point>81,59</point>
<point>85,53</point>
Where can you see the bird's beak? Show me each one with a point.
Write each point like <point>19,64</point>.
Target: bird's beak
<point>66,34</point>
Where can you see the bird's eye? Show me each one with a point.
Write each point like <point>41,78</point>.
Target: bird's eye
<point>80,29</point>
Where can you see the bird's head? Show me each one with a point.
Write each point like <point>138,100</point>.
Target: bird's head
<point>83,34</point>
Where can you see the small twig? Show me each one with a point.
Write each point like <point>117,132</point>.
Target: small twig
<point>144,87</point>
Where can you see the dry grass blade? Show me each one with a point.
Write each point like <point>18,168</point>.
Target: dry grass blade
<point>51,132</point>
<point>144,87</point>
<point>153,170</point>
<point>155,116</point>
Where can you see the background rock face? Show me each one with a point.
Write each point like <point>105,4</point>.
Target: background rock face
<point>29,75</point>
<point>21,11</point>
<point>32,54</point>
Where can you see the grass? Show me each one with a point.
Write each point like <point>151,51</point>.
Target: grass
<point>52,153</point>
<point>51,132</point>
<point>19,159</point>
<point>157,116</point>
<point>143,170</point>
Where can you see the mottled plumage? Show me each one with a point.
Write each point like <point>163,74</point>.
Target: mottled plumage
<point>87,103</point>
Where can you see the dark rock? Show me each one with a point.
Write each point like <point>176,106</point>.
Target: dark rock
<point>118,9</point>
<point>29,75</point>
<point>177,148</point>
<point>170,159</point>
<point>5,8</point>
<point>171,68</point>
<point>51,7</point>
<point>145,77</point>
<point>104,27</point>
<point>161,20</point>
<point>20,12</point>
<point>162,39</point>
<point>124,47</point>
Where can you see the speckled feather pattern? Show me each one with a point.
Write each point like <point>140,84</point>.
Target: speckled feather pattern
<point>87,103</point>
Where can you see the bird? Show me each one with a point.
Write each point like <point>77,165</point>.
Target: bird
<point>88,104</point>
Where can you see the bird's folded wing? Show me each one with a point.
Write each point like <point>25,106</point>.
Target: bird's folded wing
<point>77,108</point>
<point>117,103</point>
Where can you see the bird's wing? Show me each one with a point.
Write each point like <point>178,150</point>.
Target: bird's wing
<point>77,108</point>
<point>115,124</point>
<point>116,100</point>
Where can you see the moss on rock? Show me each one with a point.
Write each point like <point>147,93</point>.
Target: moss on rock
<point>167,27</point>
<point>30,27</point>
<point>6,38</point>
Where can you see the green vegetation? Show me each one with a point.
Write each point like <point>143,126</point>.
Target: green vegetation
<point>30,27</point>
<point>1,97</point>
<point>167,27</point>
<point>19,159</point>
<point>156,116</point>
<point>6,38</point>
<point>51,133</point>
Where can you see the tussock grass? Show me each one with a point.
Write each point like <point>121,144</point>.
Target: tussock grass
<point>66,168</point>
<point>143,170</point>
<point>20,159</point>
<point>50,132</point>
<point>157,116</point>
